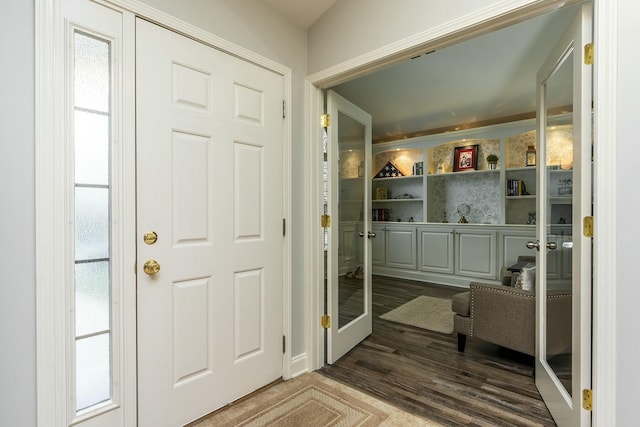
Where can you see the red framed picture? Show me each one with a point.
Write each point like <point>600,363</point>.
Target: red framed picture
<point>465,158</point>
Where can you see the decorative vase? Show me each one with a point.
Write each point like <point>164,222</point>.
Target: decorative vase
<point>492,166</point>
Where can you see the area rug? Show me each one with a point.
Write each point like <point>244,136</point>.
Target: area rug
<point>311,400</point>
<point>424,312</point>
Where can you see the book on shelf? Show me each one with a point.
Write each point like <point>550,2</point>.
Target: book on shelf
<point>380,214</point>
<point>516,187</point>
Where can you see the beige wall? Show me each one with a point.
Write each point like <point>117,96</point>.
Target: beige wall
<point>356,27</point>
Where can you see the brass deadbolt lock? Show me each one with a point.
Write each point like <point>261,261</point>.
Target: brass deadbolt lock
<point>150,237</point>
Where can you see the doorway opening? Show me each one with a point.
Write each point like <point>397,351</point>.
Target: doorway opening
<point>362,91</point>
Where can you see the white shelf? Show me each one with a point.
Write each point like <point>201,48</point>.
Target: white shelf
<point>561,199</point>
<point>397,178</point>
<point>523,168</point>
<point>396,200</point>
<point>461,173</point>
<point>528,196</point>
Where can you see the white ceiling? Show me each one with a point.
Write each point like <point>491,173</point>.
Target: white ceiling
<point>483,79</point>
<point>301,12</point>
<point>486,78</point>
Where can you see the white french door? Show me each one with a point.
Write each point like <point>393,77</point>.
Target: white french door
<point>349,240</point>
<point>563,361</point>
<point>209,235</point>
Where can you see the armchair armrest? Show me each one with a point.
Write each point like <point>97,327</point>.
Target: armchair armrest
<point>503,315</point>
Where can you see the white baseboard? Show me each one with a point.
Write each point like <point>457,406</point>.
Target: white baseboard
<point>299,365</point>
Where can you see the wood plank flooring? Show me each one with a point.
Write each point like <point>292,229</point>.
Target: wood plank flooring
<point>421,371</point>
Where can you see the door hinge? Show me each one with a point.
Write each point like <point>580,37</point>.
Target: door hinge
<point>284,227</point>
<point>325,221</point>
<point>325,321</point>
<point>284,344</point>
<point>587,226</point>
<point>588,54</point>
<point>135,268</point>
<point>284,109</point>
<point>325,120</point>
<point>587,399</point>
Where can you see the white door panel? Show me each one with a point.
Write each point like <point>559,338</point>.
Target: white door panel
<point>209,164</point>
<point>563,370</point>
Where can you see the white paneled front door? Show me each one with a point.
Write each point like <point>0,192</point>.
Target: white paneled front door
<point>209,234</point>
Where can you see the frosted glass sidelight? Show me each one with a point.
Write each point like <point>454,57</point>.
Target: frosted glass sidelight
<point>92,284</point>
<point>93,370</point>
<point>91,148</point>
<point>92,79</point>
<point>92,223</point>
<point>92,297</point>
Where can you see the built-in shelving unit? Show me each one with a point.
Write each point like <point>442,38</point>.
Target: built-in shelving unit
<point>490,193</point>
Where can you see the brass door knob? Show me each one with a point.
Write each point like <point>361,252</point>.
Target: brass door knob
<point>151,267</point>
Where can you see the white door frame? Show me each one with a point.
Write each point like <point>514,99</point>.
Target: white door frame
<point>480,22</point>
<point>52,363</point>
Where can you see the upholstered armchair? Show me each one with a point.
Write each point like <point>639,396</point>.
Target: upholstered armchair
<point>505,316</point>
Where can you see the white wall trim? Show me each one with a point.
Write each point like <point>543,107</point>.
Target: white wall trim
<point>47,216</point>
<point>314,262</point>
<point>605,340</point>
<point>299,365</point>
<point>502,14</point>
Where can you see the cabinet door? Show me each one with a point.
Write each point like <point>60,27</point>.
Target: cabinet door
<point>378,246</point>
<point>349,248</point>
<point>435,250</point>
<point>475,252</point>
<point>554,258</point>
<point>514,244</point>
<point>401,247</point>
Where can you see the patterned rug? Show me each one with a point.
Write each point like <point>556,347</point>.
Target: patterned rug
<point>310,400</point>
<point>424,312</point>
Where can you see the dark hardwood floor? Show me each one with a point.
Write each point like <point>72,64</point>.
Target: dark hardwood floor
<point>422,372</point>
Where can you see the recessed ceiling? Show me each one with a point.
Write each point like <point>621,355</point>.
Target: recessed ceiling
<point>301,12</point>
<point>486,78</point>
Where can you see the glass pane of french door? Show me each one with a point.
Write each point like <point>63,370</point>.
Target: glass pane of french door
<point>558,169</point>
<point>351,205</point>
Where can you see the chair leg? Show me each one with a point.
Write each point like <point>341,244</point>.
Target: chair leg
<point>462,340</point>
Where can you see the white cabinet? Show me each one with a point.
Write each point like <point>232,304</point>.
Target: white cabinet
<point>559,269</point>
<point>475,253</point>
<point>513,244</point>
<point>448,253</point>
<point>400,247</point>
<point>435,249</point>
<point>349,246</point>
<point>378,245</point>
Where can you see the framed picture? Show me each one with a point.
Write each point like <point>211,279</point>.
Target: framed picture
<point>465,158</point>
<point>381,193</point>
